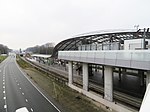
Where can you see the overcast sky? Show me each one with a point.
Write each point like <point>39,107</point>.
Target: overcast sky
<point>25,23</point>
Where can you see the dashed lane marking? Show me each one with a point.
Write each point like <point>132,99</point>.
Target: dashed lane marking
<point>19,88</point>
<point>31,109</point>
<point>4,92</point>
<point>36,89</point>
<point>5,106</point>
<point>22,93</point>
<point>4,98</point>
<point>26,100</point>
<point>4,87</point>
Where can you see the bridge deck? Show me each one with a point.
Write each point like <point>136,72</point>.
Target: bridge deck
<point>137,59</point>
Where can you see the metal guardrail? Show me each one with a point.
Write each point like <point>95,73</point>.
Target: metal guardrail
<point>118,97</point>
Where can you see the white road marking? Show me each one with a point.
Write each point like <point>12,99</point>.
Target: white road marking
<point>23,109</point>
<point>31,109</point>
<point>26,100</point>
<point>37,88</point>
<point>4,98</point>
<point>19,88</point>
<point>3,86</point>
<point>0,70</point>
<point>18,84</point>
<point>3,83</point>
<point>4,92</point>
<point>3,80</point>
<point>22,93</point>
<point>5,106</point>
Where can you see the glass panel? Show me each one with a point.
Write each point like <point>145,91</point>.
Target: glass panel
<point>110,55</point>
<point>124,55</point>
<point>141,56</point>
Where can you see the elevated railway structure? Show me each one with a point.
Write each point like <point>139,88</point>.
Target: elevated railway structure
<point>100,58</point>
<point>115,50</point>
<point>62,76</point>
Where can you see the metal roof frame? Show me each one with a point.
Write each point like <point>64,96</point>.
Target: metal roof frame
<point>96,38</point>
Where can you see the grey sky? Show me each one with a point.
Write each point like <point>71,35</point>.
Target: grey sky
<point>25,23</point>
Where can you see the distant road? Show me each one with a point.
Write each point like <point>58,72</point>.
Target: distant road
<point>16,91</point>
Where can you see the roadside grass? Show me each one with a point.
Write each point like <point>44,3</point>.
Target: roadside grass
<point>22,63</point>
<point>69,99</point>
<point>2,58</point>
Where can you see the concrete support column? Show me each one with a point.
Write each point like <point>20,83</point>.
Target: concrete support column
<point>119,74</point>
<point>108,83</point>
<point>141,74</point>
<point>123,71</point>
<point>70,71</point>
<point>103,71</point>
<point>147,78</point>
<point>85,76</point>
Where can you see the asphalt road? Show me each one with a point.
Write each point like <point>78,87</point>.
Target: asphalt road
<point>16,91</point>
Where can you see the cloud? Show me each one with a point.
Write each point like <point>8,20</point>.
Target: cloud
<point>25,23</point>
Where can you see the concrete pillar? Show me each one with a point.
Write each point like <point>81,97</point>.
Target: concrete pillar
<point>141,74</point>
<point>147,78</point>
<point>108,83</point>
<point>70,71</point>
<point>103,71</point>
<point>119,74</point>
<point>85,76</point>
<point>124,71</point>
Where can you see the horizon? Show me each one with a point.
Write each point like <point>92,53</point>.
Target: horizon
<point>29,23</point>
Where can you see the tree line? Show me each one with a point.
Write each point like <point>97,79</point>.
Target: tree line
<point>3,49</point>
<point>43,49</point>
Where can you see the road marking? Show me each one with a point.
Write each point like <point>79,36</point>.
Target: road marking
<point>0,70</point>
<point>5,106</point>
<point>19,88</point>
<point>4,92</point>
<point>18,84</point>
<point>31,109</point>
<point>4,87</point>
<point>26,100</point>
<point>22,93</point>
<point>36,88</point>
<point>3,80</point>
<point>4,98</point>
<point>3,83</point>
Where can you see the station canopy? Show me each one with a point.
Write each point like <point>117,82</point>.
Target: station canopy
<point>41,55</point>
<point>99,37</point>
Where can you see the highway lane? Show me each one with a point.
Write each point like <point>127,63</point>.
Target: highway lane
<point>16,91</point>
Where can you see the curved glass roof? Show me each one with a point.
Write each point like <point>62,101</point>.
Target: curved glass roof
<point>99,37</point>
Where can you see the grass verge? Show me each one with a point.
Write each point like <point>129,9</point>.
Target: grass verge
<point>69,99</point>
<point>2,58</point>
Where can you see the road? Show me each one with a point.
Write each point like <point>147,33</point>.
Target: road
<point>16,91</point>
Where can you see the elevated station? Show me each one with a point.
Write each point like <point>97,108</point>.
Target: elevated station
<point>41,58</point>
<point>122,52</point>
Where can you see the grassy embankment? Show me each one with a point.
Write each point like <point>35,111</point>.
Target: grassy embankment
<point>2,58</point>
<point>69,99</point>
